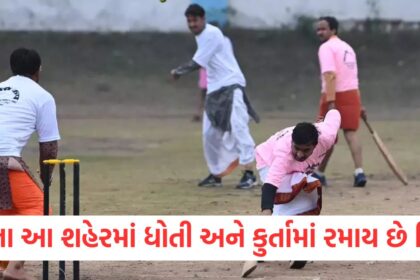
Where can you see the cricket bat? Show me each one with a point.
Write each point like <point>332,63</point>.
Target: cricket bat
<point>386,154</point>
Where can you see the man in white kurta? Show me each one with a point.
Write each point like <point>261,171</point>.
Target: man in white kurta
<point>226,137</point>
<point>25,108</point>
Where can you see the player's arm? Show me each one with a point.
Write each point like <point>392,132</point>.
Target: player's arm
<point>48,134</point>
<point>328,70</point>
<point>185,68</point>
<point>329,128</point>
<point>274,178</point>
<point>330,81</point>
<point>202,56</point>
<point>267,198</point>
<point>47,150</point>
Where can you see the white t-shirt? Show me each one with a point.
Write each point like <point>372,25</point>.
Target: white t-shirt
<point>25,107</point>
<point>215,54</point>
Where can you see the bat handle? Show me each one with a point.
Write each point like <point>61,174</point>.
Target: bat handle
<point>367,124</point>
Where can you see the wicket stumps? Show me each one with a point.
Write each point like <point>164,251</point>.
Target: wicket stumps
<point>76,204</point>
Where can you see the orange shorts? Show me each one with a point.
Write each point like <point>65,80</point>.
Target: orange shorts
<point>27,197</point>
<point>348,104</point>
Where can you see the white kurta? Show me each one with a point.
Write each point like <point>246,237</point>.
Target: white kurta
<point>215,54</point>
<point>25,107</point>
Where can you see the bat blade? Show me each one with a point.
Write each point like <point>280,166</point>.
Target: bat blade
<point>389,159</point>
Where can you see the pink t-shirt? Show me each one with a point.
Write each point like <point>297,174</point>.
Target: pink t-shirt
<point>337,56</point>
<point>276,152</point>
<point>202,78</point>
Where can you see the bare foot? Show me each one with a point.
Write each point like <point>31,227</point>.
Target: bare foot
<point>16,275</point>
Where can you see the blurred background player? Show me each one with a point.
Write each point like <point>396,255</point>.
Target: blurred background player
<point>340,90</point>
<point>226,137</point>
<point>25,107</point>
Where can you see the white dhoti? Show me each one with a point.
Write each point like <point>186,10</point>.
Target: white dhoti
<point>222,149</point>
<point>303,202</point>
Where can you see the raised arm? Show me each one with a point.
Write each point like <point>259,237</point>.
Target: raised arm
<point>328,129</point>
<point>274,178</point>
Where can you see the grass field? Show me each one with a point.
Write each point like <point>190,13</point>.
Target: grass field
<point>141,155</point>
<point>143,166</point>
<point>151,166</point>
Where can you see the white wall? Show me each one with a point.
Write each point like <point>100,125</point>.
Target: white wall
<point>141,15</point>
<point>89,15</point>
<point>277,13</point>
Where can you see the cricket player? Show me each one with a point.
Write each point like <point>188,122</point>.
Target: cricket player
<point>340,90</point>
<point>226,137</point>
<point>25,107</point>
<point>285,163</point>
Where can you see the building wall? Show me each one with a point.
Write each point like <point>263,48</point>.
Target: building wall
<point>152,15</point>
<point>93,15</point>
<point>277,13</point>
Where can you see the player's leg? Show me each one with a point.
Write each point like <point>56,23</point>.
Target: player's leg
<point>355,146</point>
<point>27,199</point>
<point>220,152</point>
<point>249,266</point>
<point>244,142</point>
<point>349,106</point>
<point>308,203</point>
<point>211,145</point>
<point>16,271</point>
<point>320,172</point>
<point>27,196</point>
